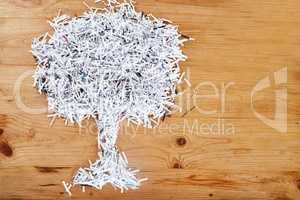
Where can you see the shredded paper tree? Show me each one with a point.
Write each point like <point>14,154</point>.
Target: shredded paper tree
<point>111,64</point>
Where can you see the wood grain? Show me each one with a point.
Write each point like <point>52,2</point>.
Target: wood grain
<point>240,41</point>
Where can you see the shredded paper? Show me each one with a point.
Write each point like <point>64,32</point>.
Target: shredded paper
<point>110,64</point>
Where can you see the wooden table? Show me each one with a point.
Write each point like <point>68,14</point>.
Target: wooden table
<point>232,152</point>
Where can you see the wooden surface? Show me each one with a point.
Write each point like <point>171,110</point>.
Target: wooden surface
<point>240,41</point>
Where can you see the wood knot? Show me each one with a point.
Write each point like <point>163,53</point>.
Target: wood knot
<point>298,184</point>
<point>177,165</point>
<point>1,131</point>
<point>181,141</point>
<point>5,149</point>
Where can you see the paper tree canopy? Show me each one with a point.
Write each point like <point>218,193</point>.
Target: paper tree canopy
<point>110,64</point>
